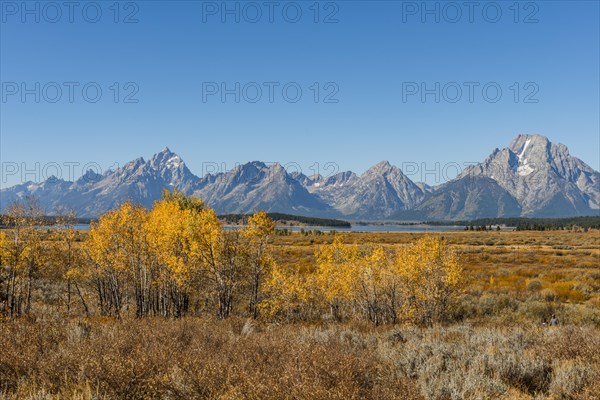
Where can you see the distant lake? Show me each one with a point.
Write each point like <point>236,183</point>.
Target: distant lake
<point>380,228</point>
<point>354,228</point>
<point>82,227</point>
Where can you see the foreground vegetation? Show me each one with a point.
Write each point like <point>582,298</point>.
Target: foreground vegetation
<point>166,303</point>
<point>232,359</point>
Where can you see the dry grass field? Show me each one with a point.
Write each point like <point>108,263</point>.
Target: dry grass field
<point>495,345</point>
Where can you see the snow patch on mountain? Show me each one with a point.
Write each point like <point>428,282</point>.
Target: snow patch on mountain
<point>524,169</point>
<point>524,149</point>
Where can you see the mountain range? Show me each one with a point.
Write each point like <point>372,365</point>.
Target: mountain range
<point>532,177</point>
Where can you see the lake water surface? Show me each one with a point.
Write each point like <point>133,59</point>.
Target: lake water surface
<point>355,228</point>
<point>380,228</point>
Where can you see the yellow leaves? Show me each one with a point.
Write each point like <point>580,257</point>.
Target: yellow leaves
<point>180,232</point>
<point>259,225</point>
<point>336,270</point>
<point>347,274</point>
<point>117,237</point>
<point>156,254</point>
<point>184,202</point>
<point>431,274</point>
<point>177,235</point>
<point>4,243</point>
<point>375,265</point>
<point>257,233</point>
<point>206,234</point>
<point>180,243</point>
<point>422,279</point>
<point>377,257</point>
<point>165,226</point>
<point>209,225</point>
<point>287,291</point>
<point>425,257</point>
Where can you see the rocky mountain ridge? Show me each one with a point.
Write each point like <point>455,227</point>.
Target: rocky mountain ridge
<point>531,177</point>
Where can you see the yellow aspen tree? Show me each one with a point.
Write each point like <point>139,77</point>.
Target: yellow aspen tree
<point>118,249</point>
<point>169,228</point>
<point>34,236</point>
<point>24,254</point>
<point>371,282</point>
<point>66,256</point>
<point>184,202</point>
<point>16,221</point>
<point>431,275</point>
<point>4,243</point>
<point>335,275</point>
<point>287,294</point>
<point>4,259</point>
<point>102,248</point>
<point>258,232</point>
<point>221,255</point>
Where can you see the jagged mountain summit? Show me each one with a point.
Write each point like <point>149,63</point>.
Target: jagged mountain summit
<point>543,177</point>
<point>93,194</point>
<point>250,187</point>
<point>531,177</point>
<point>327,188</point>
<point>255,186</point>
<point>171,168</point>
<point>380,193</point>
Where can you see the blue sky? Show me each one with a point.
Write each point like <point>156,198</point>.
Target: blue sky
<point>367,61</point>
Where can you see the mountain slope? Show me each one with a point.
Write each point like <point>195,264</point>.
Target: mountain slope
<point>256,186</point>
<point>379,193</point>
<point>469,198</point>
<point>544,178</point>
<point>139,181</point>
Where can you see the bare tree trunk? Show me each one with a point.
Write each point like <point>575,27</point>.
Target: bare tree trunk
<point>254,295</point>
<point>7,295</point>
<point>68,296</point>
<point>28,297</point>
<point>335,310</point>
<point>85,307</point>
<point>12,292</point>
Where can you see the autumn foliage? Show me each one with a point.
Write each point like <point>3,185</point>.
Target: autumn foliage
<point>417,284</point>
<point>179,259</point>
<point>175,254</point>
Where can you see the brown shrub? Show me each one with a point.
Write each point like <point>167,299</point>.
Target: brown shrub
<point>189,358</point>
